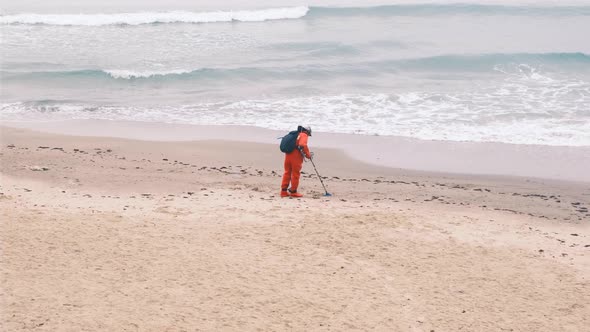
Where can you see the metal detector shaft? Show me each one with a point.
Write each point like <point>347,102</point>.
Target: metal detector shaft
<point>320,177</point>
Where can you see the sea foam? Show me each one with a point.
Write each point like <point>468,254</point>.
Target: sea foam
<point>514,112</point>
<point>130,74</point>
<point>261,15</point>
<point>156,17</point>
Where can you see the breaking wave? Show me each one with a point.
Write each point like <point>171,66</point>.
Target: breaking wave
<point>299,12</point>
<point>156,17</point>
<point>527,115</point>
<point>491,63</point>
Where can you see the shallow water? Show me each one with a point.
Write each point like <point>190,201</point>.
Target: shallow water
<point>516,73</point>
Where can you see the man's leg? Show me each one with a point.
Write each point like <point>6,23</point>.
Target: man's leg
<point>295,174</point>
<point>286,178</point>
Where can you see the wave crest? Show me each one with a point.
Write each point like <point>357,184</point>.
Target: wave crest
<point>508,63</point>
<point>155,17</point>
<point>129,74</point>
<point>289,13</point>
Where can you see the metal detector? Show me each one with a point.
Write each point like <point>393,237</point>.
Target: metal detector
<point>327,194</point>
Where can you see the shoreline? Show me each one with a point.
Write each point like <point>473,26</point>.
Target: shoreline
<point>534,162</point>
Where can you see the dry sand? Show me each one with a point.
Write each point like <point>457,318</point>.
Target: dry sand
<point>109,234</point>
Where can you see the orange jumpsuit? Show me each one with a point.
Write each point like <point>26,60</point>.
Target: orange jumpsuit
<point>294,162</point>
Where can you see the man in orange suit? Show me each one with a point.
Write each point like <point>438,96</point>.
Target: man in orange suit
<point>294,162</point>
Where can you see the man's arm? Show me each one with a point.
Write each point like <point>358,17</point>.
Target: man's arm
<point>302,145</point>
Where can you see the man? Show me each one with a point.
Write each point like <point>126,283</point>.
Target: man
<point>294,162</point>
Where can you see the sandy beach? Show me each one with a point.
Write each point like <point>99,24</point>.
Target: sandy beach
<point>119,234</point>
<point>141,175</point>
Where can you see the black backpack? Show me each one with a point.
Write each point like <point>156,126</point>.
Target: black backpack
<point>289,142</point>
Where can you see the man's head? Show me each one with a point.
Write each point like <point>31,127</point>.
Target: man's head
<point>304,129</point>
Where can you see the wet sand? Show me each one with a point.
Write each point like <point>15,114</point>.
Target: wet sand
<point>532,161</point>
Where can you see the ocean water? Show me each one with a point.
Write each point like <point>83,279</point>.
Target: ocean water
<point>481,71</point>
